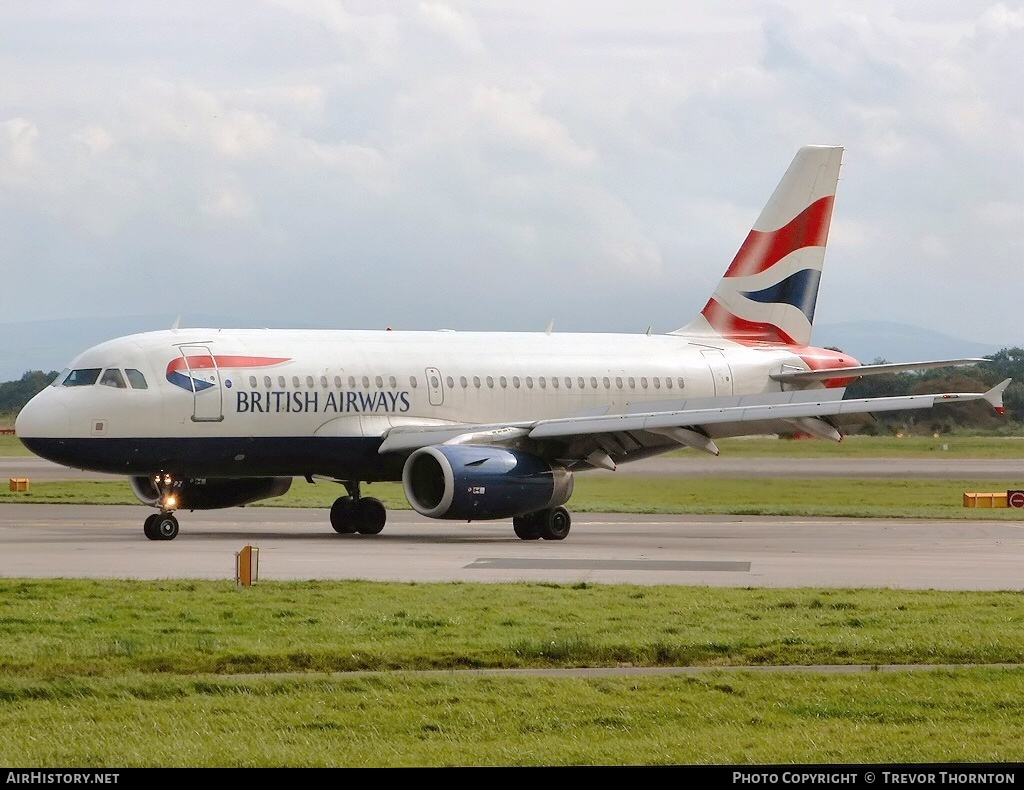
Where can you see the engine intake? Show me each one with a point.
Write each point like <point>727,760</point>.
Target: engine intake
<point>214,492</point>
<point>476,482</point>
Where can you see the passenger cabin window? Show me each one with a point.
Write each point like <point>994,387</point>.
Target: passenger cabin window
<point>112,378</point>
<point>252,382</point>
<point>138,381</point>
<point>83,377</point>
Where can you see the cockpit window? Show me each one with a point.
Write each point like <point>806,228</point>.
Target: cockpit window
<point>82,377</point>
<point>112,378</point>
<point>136,379</point>
<point>60,377</point>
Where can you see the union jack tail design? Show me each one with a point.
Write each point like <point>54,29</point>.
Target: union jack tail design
<point>770,288</point>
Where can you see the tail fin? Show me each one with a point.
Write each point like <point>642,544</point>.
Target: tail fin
<point>769,291</point>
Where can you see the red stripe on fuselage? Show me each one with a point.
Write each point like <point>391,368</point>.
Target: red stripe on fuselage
<point>205,361</point>
<point>763,249</point>
<point>826,358</point>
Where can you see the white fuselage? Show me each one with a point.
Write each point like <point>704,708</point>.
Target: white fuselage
<point>360,383</point>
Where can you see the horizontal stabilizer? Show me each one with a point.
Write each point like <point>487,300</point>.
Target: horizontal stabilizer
<point>871,370</point>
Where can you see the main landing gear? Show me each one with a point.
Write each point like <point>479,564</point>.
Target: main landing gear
<point>550,524</point>
<point>356,513</point>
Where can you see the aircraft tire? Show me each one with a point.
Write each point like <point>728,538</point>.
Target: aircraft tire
<point>165,527</point>
<point>527,527</point>
<point>372,516</point>
<point>344,515</point>
<point>149,526</point>
<point>555,524</point>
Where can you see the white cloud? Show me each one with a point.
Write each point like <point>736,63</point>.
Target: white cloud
<point>96,139</point>
<point>614,155</point>
<point>228,202</point>
<point>19,139</point>
<point>516,118</point>
<point>453,24</point>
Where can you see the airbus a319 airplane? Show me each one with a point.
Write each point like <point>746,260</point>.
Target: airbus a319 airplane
<point>475,425</point>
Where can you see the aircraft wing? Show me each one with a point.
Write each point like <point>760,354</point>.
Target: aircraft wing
<point>608,439</point>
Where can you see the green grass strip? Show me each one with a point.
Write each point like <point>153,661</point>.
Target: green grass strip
<point>600,492</point>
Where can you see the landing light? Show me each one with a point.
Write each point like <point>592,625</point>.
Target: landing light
<point>170,502</point>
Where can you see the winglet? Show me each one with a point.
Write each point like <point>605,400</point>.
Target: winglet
<point>995,396</point>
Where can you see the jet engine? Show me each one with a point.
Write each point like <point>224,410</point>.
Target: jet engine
<point>208,493</point>
<point>482,482</point>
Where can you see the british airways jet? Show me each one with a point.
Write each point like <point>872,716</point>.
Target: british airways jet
<point>475,425</point>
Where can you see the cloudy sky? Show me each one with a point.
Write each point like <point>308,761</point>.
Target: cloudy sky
<point>501,164</point>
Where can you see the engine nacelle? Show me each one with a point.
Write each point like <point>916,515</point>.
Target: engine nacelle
<point>211,493</point>
<point>477,482</point>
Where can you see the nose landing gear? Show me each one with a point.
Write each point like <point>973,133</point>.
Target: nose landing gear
<point>163,525</point>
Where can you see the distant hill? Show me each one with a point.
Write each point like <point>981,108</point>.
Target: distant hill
<point>51,345</point>
<point>871,340</point>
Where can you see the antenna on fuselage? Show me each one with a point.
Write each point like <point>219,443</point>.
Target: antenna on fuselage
<point>551,325</point>
<point>177,322</point>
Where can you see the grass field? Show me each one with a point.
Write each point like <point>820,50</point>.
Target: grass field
<point>108,673</point>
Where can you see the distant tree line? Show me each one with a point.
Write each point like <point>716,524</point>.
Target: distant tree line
<point>944,418</point>
<point>15,394</point>
<point>1005,364</point>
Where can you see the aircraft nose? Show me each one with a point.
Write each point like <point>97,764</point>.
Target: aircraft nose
<point>42,417</point>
